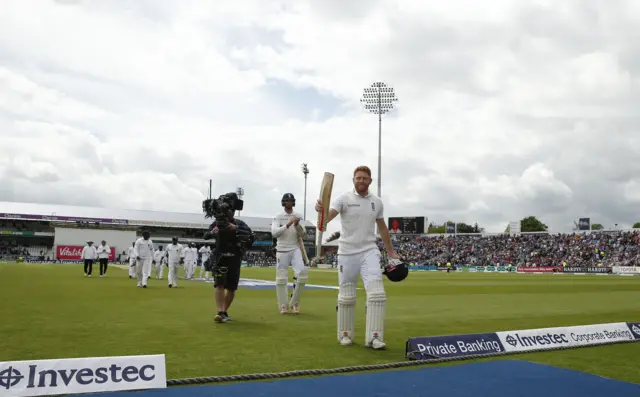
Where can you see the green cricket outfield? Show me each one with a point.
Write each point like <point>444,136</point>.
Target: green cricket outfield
<point>52,311</point>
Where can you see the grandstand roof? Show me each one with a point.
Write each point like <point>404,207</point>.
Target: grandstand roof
<point>51,211</point>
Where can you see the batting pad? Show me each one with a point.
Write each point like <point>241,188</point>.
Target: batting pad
<point>303,277</point>
<point>376,304</point>
<point>346,310</point>
<point>488,379</point>
<point>282,277</point>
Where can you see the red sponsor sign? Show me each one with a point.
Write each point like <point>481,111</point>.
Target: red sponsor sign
<point>539,269</point>
<point>74,252</point>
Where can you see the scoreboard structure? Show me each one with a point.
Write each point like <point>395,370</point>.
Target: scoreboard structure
<point>406,225</point>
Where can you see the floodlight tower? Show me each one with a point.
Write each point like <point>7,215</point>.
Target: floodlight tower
<point>240,193</point>
<point>305,171</point>
<point>378,99</point>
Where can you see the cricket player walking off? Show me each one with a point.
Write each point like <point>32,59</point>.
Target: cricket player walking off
<point>205,253</point>
<point>143,252</point>
<point>286,228</point>
<point>190,261</point>
<point>159,260</point>
<point>358,253</point>
<point>175,257</point>
<point>132,261</point>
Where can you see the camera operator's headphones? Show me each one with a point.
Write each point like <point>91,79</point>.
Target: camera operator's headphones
<point>288,197</point>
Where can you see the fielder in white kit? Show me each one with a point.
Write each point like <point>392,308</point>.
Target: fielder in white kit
<point>190,261</point>
<point>175,257</point>
<point>358,253</point>
<point>159,260</point>
<point>132,261</point>
<point>288,253</point>
<point>143,252</point>
<point>205,252</point>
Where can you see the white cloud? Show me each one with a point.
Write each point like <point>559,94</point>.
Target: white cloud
<point>506,109</point>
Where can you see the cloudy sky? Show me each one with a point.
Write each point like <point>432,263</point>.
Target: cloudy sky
<point>506,108</point>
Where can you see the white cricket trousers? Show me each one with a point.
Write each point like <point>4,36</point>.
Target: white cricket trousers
<point>365,264</point>
<point>173,273</point>
<point>189,268</point>
<point>203,270</point>
<point>291,258</point>
<point>132,267</point>
<point>143,270</point>
<point>159,268</point>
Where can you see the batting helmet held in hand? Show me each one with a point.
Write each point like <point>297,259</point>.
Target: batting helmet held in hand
<point>396,270</point>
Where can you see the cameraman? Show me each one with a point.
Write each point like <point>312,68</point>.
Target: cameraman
<point>233,239</point>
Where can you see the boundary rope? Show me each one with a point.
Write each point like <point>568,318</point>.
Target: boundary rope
<point>362,368</point>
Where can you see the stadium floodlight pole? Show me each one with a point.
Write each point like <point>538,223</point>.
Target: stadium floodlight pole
<point>305,171</point>
<point>240,193</point>
<point>378,99</point>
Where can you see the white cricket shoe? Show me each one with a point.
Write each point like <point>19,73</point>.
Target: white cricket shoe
<point>296,309</point>
<point>346,341</point>
<point>377,344</point>
<point>283,309</point>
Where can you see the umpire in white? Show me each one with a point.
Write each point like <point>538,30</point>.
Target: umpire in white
<point>103,251</point>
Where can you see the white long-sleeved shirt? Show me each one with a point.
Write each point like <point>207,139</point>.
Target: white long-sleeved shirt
<point>287,236</point>
<point>205,251</point>
<point>88,252</point>
<point>131,254</point>
<point>158,256</point>
<point>103,251</point>
<point>191,254</point>
<point>174,253</point>
<point>143,249</point>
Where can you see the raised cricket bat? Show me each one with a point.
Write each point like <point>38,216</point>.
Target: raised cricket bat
<point>323,216</point>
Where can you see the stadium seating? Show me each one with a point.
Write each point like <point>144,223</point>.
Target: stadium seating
<point>536,249</point>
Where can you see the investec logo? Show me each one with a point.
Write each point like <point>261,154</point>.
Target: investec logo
<point>636,330</point>
<point>37,377</point>
<point>537,340</point>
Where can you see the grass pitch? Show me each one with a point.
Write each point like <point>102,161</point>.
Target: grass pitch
<point>52,311</point>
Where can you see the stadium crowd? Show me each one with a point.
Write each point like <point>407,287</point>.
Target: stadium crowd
<point>575,249</point>
<point>617,248</point>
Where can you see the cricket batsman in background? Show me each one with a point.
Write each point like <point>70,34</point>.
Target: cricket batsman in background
<point>286,228</point>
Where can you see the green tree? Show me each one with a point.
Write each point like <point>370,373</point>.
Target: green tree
<point>636,225</point>
<point>532,224</point>
<point>597,226</point>
<point>464,228</point>
<point>436,229</point>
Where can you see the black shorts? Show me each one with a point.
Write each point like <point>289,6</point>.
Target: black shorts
<point>227,273</point>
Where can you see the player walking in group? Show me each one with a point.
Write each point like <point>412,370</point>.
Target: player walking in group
<point>286,228</point>
<point>205,253</point>
<point>132,261</point>
<point>175,257</point>
<point>190,261</point>
<point>159,259</point>
<point>143,252</point>
<point>358,253</point>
